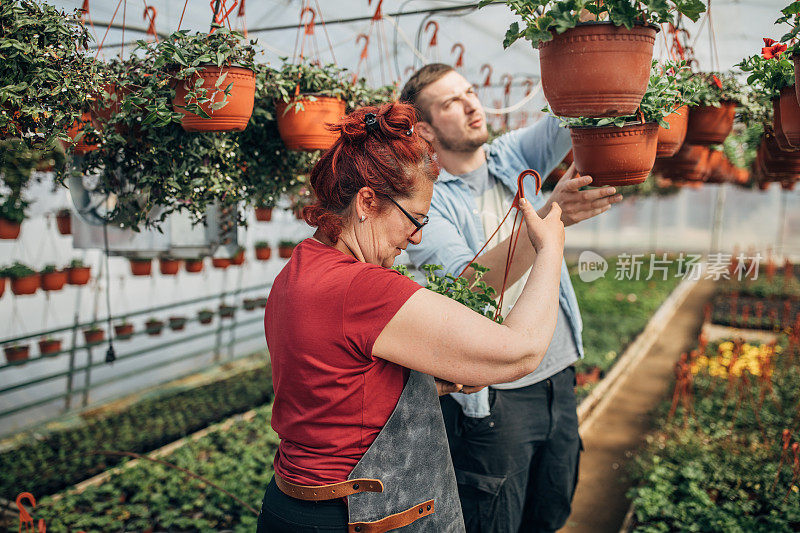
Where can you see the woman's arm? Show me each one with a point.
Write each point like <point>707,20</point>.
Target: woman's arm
<point>436,335</point>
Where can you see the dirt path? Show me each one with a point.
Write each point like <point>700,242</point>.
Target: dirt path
<point>613,433</point>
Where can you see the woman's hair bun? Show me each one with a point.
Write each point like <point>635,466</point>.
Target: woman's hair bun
<point>388,121</point>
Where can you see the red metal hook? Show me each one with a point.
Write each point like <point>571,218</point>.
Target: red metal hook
<point>433,41</point>
<point>507,80</point>
<point>378,14</point>
<point>224,11</point>
<point>150,14</point>
<point>24,516</point>
<point>241,9</point>
<point>460,60</point>
<point>521,188</point>
<point>310,24</point>
<point>365,38</point>
<point>84,10</point>
<point>488,81</point>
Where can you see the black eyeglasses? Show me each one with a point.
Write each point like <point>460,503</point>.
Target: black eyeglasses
<point>417,223</point>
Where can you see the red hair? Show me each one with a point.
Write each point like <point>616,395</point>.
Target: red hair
<point>387,158</point>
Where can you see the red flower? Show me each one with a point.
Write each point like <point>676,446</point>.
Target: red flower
<point>716,81</point>
<point>772,49</point>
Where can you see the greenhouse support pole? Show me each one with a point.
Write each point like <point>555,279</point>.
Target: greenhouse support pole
<point>72,349</point>
<point>781,223</point>
<point>87,383</point>
<point>719,210</point>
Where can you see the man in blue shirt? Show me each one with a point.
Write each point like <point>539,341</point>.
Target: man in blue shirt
<point>515,446</point>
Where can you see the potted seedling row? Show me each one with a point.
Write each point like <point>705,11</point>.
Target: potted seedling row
<point>263,251</point>
<point>52,278</point>
<point>78,273</point>
<point>24,280</point>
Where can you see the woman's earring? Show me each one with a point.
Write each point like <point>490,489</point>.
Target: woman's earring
<point>363,218</point>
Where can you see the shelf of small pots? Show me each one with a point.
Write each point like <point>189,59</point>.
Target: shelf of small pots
<point>24,280</point>
<point>205,316</point>
<point>94,335</point>
<point>78,273</point>
<point>169,266</point>
<point>17,353</point>
<point>717,96</point>
<point>622,150</point>
<point>49,346</point>
<point>226,311</point>
<point>193,265</point>
<point>64,221</point>
<point>285,248</point>
<point>123,330</point>
<point>263,251</point>
<point>177,323</point>
<point>141,266</point>
<point>153,327</point>
<point>594,63</point>
<point>52,279</point>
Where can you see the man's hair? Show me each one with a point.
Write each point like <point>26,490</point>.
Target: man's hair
<point>428,74</point>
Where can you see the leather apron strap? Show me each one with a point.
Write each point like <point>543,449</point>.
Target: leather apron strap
<point>411,457</point>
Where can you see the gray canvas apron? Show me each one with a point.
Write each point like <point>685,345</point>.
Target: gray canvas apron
<point>411,458</point>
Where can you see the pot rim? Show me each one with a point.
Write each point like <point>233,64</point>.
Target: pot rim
<point>608,22</point>
<point>303,96</point>
<point>631,125</point>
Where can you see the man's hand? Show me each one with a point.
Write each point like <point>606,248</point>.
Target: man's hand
<point>577,205</point>
<point>446,387</point>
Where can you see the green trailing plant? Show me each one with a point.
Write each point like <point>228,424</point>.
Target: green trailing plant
<point>12,208</point>
<point>48,269</point>
<point>791,15</point>
<point>262,244</point>
<point>76,263</point>
<point>665,93</point>
<point>287,243</point>
<point>715,87</point>
<point>542,18</point>
<point>17,270</point>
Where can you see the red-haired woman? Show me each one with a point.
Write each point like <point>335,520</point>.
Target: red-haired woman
<point>354,344</point>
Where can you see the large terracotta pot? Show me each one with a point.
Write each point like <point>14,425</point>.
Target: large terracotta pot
<point>777,125</point>
<point>9,229</point>
<point>54,281</point>
<point>64,222</point>
<point>597,69</point>
<point>79,275</point>
<point>236,113</point>
<point>26,285</point>
<point>263,214</point>
<point>80,147</point>
<point>790,116</point>
<point>777,164</point>
<point>709,124</point>
<point>690,163</point>
<point>615,156</point>
<point>670,140</point>
<point>306,129</point>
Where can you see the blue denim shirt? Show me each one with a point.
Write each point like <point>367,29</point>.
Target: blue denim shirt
<point>454,233</point>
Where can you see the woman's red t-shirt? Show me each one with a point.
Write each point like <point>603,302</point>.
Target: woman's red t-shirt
<point>332,397</point>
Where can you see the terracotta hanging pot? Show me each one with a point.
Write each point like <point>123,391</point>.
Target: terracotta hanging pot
<point>777,164</point>
<point>709,124</point>
<point>790,116</point>
<point>263,214</point>
<point>305,129</point>
<point>238,259</point>
<point>123,331</point>
<point>177,323</point>
<point>249,304</point>
<point>690,163</point>
<point>263,253</point>
<point>54,281</point>
<point>193,265</point>
<point>80,147</point>
<point>716,167</point>
<point>141,267</point>
<point>2,286</point>
<point>25,285</point>
<point>79,275</point>
<point>597,69</point>
<point>168,267</point>
<point>226,311</point>
<point>235,115</point>
<point>9,229</point>
<point>613,155</point>
<point>777,125</point>
<point>285,252</point>
<point>94,336</point>
<point>102,110</point>
<point>64,222</point>
<point>796,59</point>
<point>154,327</point>
<point>48,347</point>
<point>670,140</point>
<point>221,262</point>
<point>17,354</point>
<point>205,317</point>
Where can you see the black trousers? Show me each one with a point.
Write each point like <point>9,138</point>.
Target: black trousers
<point>517,468</point>
<point>283,514</point>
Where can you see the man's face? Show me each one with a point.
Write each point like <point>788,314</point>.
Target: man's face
<point>455,113</point>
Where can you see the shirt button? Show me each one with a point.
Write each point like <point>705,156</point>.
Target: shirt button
<point>491,424</point>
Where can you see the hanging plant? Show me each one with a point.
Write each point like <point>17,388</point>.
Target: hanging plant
<point>177,323</point>
<point>169,266</point>
<point>205,316</point>
<point>17,353</point>
<point>263,214</point>
<point>238,257</point>
<point>49,346</point>
<point>622,150</point>
<point>598,67</point>
<point>285,248</point>
<point>24,280</point>
<point>193,265</point>
<point>123,330</point>
<point>263,251</point>
<point>64,221</point>
<point>141,266</point>
<point>249,304</point>
<point>12,213</point>
<point>78,273</point>
<point>670,139</point>
<point>94,335</point>
<point>154,326</point>
<point>226,311</point>
<point>716,97</point>
<point>52,279</point>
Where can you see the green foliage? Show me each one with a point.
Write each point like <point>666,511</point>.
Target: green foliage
<point>12,208</point>
<point>768,76</point>
<point>76,263</point>
<point>48,269</point>
<point>261,244</point>
<point>716,87</point>
<point>17,270</point>
<point>475,294</point>
<point>790,15</point>
<point>53,462</point>
<point>287,243</point>
<point>542,18</point>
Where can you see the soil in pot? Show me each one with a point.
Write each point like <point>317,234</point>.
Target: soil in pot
<point>64,222</point>
<point>16,354</point>
<point>193,265</point>
<point>169,267</point>
<point>25,285</point>
<point>79,275</point>
<point>9,229</point>
<point>789,117</point>
<point>670,140</point>
<point>48,347</point>
<point>306,129</point>
<point>141,267</point>
<point>54,281</point>
<point>597,69</point>
<point>613,155</point>
<point>263,253</point>
<point>123,331</point>
<point>709,124</point>
<point>263,214</point>
<point>235,115</point>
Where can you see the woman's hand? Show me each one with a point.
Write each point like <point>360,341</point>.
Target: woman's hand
<point>543,232</point>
